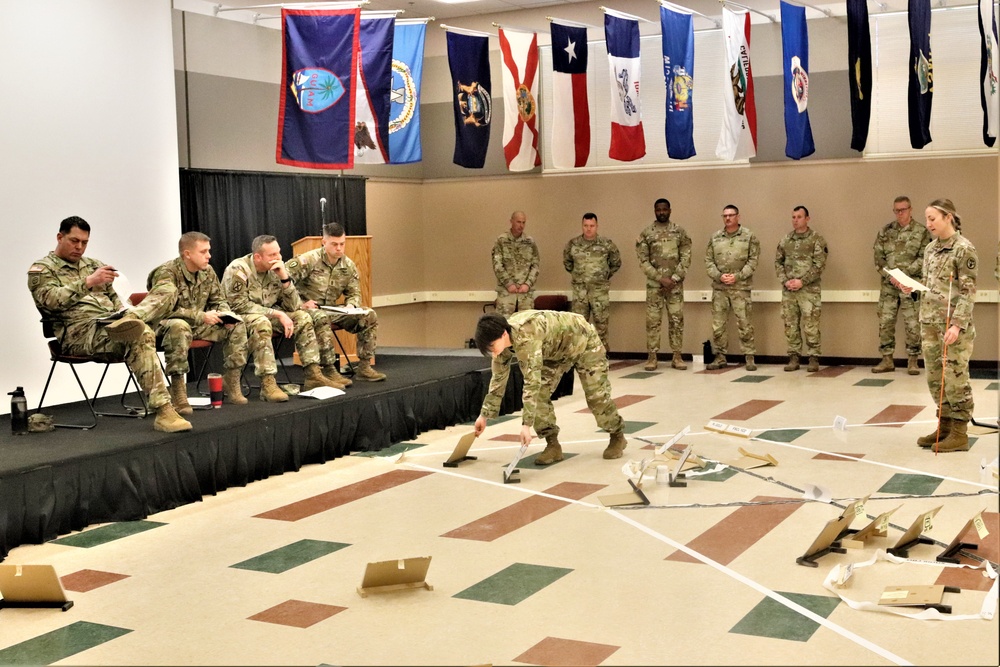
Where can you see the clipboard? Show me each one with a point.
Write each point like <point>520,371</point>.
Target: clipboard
<point>461,451</point>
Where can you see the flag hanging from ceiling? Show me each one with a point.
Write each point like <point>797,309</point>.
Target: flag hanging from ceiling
<point>570,106</point>
<point>404,110</point>
<point>318,81</point>
<point>988,72</point>
<point>622,37</point>
<point>920,90</point>
<point>469,61</point>
<point>859,71</point>
<point>738,139</point>
<point>520,99</point>
<point>677,36</point>
<point>371,115</point>
<point>795,58</point>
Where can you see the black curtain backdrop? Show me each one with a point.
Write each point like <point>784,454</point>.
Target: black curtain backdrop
<point>233,207</point>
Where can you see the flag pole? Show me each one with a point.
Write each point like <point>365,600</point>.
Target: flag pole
<point>749,9</point>
<point>685,10</point>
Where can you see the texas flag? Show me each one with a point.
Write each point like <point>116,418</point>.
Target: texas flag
<point>570,107</point>
<point>627,139</point>
<point>520,99</point>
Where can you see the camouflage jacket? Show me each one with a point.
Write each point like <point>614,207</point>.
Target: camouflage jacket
<point>536,337</point>
<point>950,267</point>
<point>60,292</point>
<point>515,260</point>
<point>902,248</point>
<point>591,262</point>
<point>801,256</point>
<point>316,279</point>
<point>664,251</point>
<point>250,292</point>
<point>735,253</point>
<point>196,292</point>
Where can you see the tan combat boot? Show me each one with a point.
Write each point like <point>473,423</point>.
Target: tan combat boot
<point>813,365</point>
<point>333,375</point>
<point>270,392</point>
<point>718,362</point>
<point>551,453</point>
<point>751,364</point>
<point>616,446</point>
<point>178,395</point>
<point>168,421</point>
<point>231,387</point>
<point>957,440</point>
<point>678,362</point>
<point>651,362</point>
<point>913,365</point>
<point>793,363</point>
<point>944,426</point>
<point>365,371</point>
<point>128,329</point>
<point>315,378</point>
<point>885,366</point>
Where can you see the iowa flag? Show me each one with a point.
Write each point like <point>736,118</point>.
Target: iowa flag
<point>677,32</point>
<point>520,99</point>
<point>469,61</point>
<point>738,139</point>
<point>371,116</point>
<point>319,61</point>
<point>627,139</point>
<point>570,106</point>
<point>988,93</point>
<point>795,58</point>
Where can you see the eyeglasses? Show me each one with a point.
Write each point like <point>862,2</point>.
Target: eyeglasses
<point>729,215</point>
<point>897,211</point>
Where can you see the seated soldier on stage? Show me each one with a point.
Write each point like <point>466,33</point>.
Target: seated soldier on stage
<point>322,276</point>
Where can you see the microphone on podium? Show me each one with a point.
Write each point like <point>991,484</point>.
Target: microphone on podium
<point>322,210</point>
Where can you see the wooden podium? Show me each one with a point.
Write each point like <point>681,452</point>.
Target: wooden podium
<point>359,249</point>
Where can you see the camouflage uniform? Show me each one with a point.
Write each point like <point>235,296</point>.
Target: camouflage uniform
<point>591,265</point>
<point>546,344</point>
<point>664,250</point>
<point>253,297</point>
<point>735,253</point>
<point>902,248</point>
<point>318,280</point>
<point>949,267</point>
<point>801,256</point>
<point>192,295</point>
<point>515,260</point>
<point>60,293</point>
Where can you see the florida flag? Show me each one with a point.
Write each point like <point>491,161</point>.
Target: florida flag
<point>371,115</point>
<point>627,139</point>
<point>570,107</point>
<point>738,139</point>
<point>520,99</point>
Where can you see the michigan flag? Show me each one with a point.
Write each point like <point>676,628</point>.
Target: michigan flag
<point>404,109</point>
<point>988,72</point>
<point>469,61</point>
<point>738,139</point>
<point>520,99</point>
<point>859,71</point>
<point>677,36</point>
<point>318,81</point>
<point>795,58</point>
<point>570,106</point>
<point>371,116</point>
<point>920,89</point>
<point>622,36</point>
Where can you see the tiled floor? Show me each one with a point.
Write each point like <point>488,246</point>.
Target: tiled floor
<point>540,571</point>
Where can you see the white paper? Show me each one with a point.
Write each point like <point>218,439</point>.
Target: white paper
<point>199,400</point>
<point>906,281</point>
<point>816,492</point>
<point>670,443</point>
<point>509,470</point>
<point>322,392</point>
<point>346,310</point>
<point>123,288</point>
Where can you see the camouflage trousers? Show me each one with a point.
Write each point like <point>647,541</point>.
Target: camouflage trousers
<point>507,304</point>
<point>176,335</point>
<point>800,312</point>
<point>891,303</point>
<point>592,369</point>
<point>737,301</point>
<point>261,328</point>
<point>594,303</point>
<point>956,400</point>
<point>658,298</point>
<point>365,327</point>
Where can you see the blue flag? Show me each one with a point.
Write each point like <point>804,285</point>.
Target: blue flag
<point>318,71</point>
<point>795,59</point>
<point>404,114</point>
<point>859,70</point>
<point>920,89</point>
<point>677,32</point>
<point>371,120</point>
<point>469,61</point>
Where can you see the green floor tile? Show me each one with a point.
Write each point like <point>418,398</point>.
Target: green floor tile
<point>717,476</point>
<point>773,619</point>
<point>109,533</point>
<point>392,450</point>
<point>781,434</point>
<point>992,386</point>
<point>513,584</point>
<point>913,485</point>
<point>59,644</point>
<point>872,382</point>
<point>753,378</point>
<point>634,427</point>
<point>640,375</point>
<point>289,556</point>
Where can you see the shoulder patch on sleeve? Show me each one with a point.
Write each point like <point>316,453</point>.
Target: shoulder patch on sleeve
<point>36,268</point>
<point>971,264</point>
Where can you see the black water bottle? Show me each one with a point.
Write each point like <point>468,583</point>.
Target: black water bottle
<point>18,412</point>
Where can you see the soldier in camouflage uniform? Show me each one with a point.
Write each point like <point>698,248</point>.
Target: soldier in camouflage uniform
<point>196,306</point>
<point>664,251</point>
<point>799,263</point>
<point>322,276</point>
<point>730,260</point>
<point>260,291</point>
<point>591,261</point>
<point>75,291</point>
<point>946,329</point>
<point>899,245</point>
<point>546,344</point>
<point>515,264</point>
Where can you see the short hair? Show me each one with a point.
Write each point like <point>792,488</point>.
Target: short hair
<point>948,208</point>
<point>732,206</point>
<point>661,200</point>
<point>800,207</point>
<point>900,199</point>
<point>590,216</point>
<point>489,329</point>
<point>261,241</point>
<point>189,240</point>
<point>334,229</point>
<point>67,225</point>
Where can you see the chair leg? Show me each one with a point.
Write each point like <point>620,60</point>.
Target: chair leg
<point>83,427</point>
<point>350,366</point>
<point>129,410</point>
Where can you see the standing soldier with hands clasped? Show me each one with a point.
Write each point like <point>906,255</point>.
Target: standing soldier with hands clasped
<point>591,261</point>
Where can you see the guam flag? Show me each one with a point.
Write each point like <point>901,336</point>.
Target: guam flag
<point>404,113</point>
<point>371,120</point>
<point>469,61</point>
<point>920,90</point>
<point>859,71</point>
<point>677,32</point>
<point>570,107</point>
<point>795,58</point>
<point>318,70</point>
<point>627,139</point>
